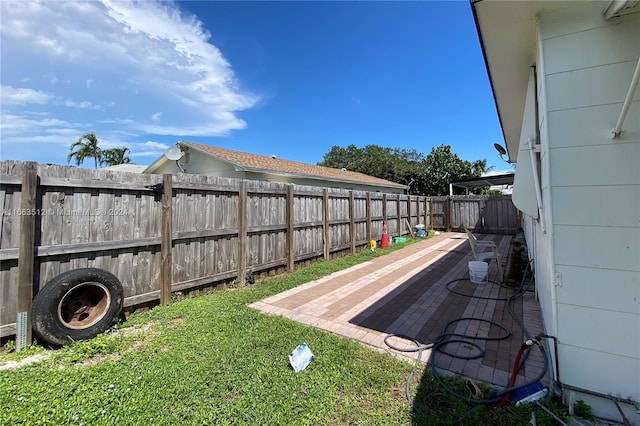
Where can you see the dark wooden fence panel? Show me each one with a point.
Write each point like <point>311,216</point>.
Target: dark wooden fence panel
<point>493,214</point>
<point>439,213</point>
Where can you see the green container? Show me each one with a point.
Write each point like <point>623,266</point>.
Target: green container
<point>397,240</point>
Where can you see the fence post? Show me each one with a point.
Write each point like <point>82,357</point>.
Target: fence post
<point>290,230</point>
<point>384,207</point>
<point>352,223</point>
<point>368,208</point>
<point>409,211</point>
<point>325,222</point>
<point>242,233</point>
<point>449,213</point>
<point>166,240</point>
<point>26,254</point>
<point>428,213</point>
<point>399,219</point>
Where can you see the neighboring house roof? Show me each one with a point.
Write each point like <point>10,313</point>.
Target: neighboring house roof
<point>243,161</point>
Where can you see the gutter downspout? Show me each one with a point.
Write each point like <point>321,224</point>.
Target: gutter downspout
<point>627,102</point>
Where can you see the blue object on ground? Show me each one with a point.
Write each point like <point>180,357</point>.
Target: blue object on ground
<point>527,391</point>
<point>300,357</point>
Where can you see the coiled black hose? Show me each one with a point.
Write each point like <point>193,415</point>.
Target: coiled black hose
<point>445,338</point>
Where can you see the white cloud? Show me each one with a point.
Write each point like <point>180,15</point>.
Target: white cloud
<point>21,96</point>
<point>148,48</point>
<point>155,145</point>
<point>52,79</point>
<point>19,124</point>
<point>83,104</point>
<point>34,129</point>
<point>148,149</point>
<point>206,129</point>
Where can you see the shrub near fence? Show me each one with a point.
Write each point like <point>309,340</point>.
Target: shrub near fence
<point>159,234</point>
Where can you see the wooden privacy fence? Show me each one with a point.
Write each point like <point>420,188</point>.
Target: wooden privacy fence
<point>490,214</point>
<point>161,233</point>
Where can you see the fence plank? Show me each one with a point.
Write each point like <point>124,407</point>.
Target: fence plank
<point>26,256</point>
<point>242,233</point>
<point>166,243</point>
<point>290,229</point>
<point>325,225</point>
<point>352,223</point>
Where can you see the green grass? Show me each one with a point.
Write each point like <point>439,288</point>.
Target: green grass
<point>212,360</point>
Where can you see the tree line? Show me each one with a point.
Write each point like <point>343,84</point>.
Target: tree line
<point>424,175</point>
<point>87,146</point>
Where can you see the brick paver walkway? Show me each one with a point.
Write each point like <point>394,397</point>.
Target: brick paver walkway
<point>417,291</point>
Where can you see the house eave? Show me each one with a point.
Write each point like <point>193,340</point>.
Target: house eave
<point>326,179</point>
<point>508,38</point>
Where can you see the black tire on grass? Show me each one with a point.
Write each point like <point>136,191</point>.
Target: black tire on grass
<point>76,305</point>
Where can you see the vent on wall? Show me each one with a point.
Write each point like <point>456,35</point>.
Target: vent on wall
<point>621,7</point>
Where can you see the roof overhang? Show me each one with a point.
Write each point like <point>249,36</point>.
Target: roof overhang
<point>185,146</point>
<point>508,37</point>
<point>483,181</point>
<point>259,170</point>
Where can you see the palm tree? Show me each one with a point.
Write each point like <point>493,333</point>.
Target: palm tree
<point>85,147</point>
<point>115,156</point>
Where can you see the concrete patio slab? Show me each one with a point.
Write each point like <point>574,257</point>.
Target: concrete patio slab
<point>423,291</point>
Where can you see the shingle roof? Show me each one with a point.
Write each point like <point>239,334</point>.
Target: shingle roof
<point>262,163</point>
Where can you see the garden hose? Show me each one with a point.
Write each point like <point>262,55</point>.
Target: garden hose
<point>445,338</point>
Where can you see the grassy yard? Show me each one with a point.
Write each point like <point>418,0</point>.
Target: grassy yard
<point>211,360</point>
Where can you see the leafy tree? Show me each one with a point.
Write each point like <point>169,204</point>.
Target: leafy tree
<point>115,156</point>
<point>85,147</point>
<point>442,166</point>
<point>396,165</point>
<point>428,175</point>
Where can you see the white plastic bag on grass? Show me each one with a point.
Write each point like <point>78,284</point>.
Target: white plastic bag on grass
<point>300,357</point>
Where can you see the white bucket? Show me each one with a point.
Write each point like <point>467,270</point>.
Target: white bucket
<point>478,272</point>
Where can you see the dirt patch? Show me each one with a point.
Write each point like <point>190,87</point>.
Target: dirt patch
<point>144,332</point>
<point>31,359</point>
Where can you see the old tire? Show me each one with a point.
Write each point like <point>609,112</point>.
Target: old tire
<point>76,305</point>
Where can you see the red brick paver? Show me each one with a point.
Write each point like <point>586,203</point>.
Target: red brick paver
<point>417,291</point>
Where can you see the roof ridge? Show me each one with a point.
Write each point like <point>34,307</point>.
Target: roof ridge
<point>262,162</point>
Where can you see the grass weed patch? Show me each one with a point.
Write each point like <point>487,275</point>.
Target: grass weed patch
<point>212,360</point>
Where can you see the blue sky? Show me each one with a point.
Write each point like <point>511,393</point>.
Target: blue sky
<point>285,78</point>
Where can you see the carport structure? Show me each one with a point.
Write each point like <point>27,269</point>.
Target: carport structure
<point>418,291</point>
<point>502,179</point>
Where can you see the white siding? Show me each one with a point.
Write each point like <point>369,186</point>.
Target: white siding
<point>599,288</point>
<point>568,129</point>
<point>615,374</point>
<point>583,206</point>
<point>594,194</point>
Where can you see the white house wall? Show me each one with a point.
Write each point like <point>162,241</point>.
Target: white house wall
<point>197,163</point>
<point>589,260</point>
